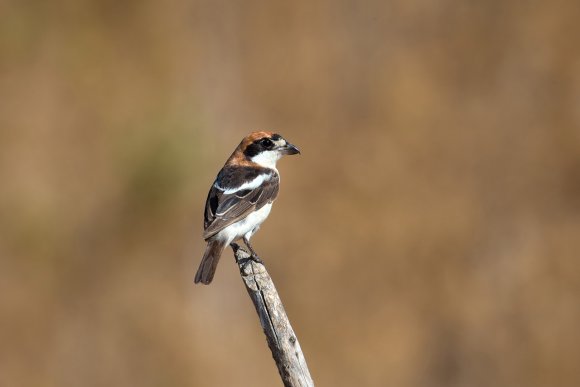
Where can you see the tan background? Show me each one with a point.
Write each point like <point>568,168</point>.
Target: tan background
<point>429,234</point>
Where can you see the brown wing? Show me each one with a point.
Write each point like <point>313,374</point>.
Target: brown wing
<point>223,209</point>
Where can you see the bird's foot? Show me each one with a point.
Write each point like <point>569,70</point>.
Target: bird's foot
<point>256,259</point>
<point>253,256</point>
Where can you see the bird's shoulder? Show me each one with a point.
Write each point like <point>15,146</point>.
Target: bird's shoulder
<point>234,176</point>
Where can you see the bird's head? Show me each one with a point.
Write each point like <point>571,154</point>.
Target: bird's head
<point>265,148</point>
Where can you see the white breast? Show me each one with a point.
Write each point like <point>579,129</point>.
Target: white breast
<point>242,227</point>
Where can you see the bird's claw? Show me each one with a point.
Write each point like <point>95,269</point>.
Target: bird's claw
<point>256,259</point>
<point>253,256</point>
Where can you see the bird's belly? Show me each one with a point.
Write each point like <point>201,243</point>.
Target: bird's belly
<point>237,230</point>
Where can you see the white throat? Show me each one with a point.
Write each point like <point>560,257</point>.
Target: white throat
<point>267,159</point>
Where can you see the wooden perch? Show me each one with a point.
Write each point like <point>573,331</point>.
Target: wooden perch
<point>281,338</point>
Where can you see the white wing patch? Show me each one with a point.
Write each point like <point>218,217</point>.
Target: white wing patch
<point>252,184</point>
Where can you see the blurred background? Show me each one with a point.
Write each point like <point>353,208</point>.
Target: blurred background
<point>428,235</point>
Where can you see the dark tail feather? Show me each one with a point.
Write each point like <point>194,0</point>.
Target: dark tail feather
<point>209,262</point>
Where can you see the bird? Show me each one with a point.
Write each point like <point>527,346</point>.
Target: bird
<point>241,197</point>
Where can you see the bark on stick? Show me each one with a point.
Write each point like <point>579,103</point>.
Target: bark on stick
<point>279,333</point>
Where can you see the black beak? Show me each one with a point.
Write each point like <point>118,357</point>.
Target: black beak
<point>289,149</point>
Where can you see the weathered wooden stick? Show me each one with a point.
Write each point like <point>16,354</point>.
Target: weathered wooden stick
<point>281,338</point>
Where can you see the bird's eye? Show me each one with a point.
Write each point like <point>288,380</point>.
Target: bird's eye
<point>266,143</point>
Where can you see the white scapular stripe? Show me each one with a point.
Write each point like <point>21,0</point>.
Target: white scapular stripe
<point>248,185</point>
